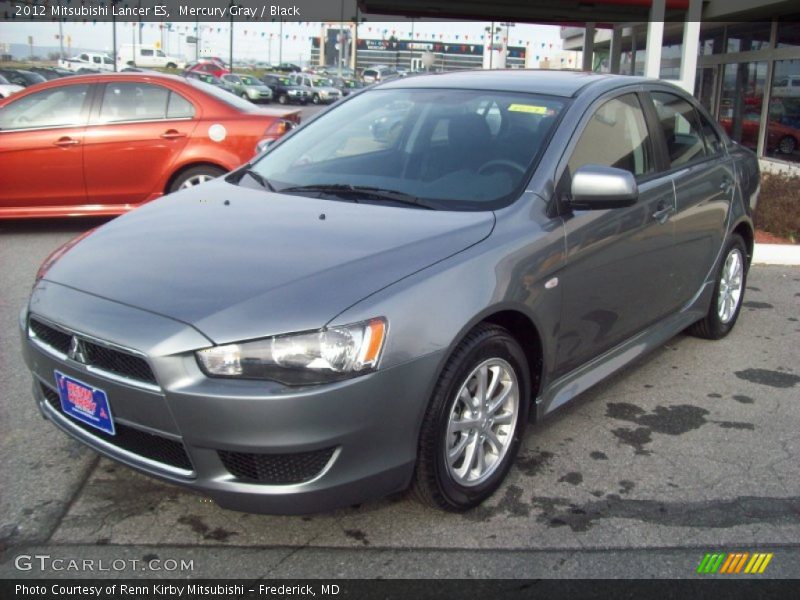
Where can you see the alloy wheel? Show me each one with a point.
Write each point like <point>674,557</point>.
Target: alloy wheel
<point>482,421</point>
<point>195,180</point>
<point>730,286</point>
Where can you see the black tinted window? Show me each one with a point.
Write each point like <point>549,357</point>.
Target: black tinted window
<point>133,102</point>
<point>615,136</point>
<point>681,128</point>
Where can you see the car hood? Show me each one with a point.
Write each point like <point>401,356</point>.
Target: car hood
<point>240,263</point>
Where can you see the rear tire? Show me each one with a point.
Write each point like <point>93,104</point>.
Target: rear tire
<point>472,430</point>
<point>195,176</point>
<point>726,302</point>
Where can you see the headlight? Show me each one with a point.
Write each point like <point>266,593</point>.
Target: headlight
<point>301,358</point>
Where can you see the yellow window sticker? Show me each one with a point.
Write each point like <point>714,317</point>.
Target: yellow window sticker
<point>528,108</point>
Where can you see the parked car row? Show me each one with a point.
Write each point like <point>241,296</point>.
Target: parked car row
<point>103,144</point>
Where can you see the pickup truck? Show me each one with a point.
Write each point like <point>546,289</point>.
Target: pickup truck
<point>88,60</point>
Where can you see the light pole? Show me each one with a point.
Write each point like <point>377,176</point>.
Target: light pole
<point>231,5</point>
<point>61,37</point>
<point>280,43</point>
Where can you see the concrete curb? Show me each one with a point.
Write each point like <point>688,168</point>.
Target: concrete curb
<point>776,254</point>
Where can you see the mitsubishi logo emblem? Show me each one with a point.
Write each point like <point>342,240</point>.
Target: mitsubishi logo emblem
<point>76,350</point>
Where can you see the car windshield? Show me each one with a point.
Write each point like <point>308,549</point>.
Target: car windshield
<point>3,80</point>
<point>320,82</point>
<point>457,149</point>
<point>247,80</point>
<point>223,95</point>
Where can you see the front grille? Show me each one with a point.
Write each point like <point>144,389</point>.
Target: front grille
<point>52,337</point>
<point>276,469</point>
<point>101,357</point>
<point>135,441</point>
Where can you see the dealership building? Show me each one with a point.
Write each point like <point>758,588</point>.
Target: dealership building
<point>740,58</point>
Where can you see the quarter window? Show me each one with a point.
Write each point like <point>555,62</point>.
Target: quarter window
<point>681,128</point>
<point>615,136</point>
<point>710,135</point>
<point>179,107</point>
<point>54,107</point>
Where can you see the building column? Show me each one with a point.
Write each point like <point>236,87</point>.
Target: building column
<point>655,39</point>
<point>588,47</point>
<point>616,50</point>
<point>691,44</point>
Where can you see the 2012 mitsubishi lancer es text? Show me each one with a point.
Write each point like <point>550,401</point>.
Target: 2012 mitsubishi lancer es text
<point>351,315</point>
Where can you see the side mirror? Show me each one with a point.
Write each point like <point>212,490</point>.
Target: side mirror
<point>596,187</point>
<point>262,145</point>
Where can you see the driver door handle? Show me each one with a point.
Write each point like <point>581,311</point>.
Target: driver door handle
<point>662,213</point>
<point>66,141</point>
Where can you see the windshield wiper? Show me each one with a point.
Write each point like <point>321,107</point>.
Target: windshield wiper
<point>363,191</point>
<point>259,178</point>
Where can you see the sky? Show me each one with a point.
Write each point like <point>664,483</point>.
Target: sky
<point>250,44</point>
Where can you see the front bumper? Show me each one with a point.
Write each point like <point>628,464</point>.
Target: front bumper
<point>358,437</point>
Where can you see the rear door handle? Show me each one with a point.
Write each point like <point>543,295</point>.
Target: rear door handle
<point>172,134</point>
<point>726,185</point>
<point>66,141</point>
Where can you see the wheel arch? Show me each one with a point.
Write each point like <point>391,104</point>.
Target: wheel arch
<point>191,165</point>
<point>745,229</point>
<point>522,327</point>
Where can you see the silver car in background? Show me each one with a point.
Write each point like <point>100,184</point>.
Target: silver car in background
<point>351,314</point>
<point>248,87</point>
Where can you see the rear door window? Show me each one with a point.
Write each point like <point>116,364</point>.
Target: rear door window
<point>679,122</point>
<point>133,102</point>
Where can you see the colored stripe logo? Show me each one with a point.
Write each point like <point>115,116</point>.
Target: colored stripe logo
<point>733,563</point>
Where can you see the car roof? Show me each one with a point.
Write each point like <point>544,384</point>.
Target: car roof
<point>543,81</point>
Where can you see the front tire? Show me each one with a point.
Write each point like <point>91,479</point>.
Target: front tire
<point>315,99</point>
<point>726,303</point>
<point>283,99</point>
<point>475,421</point>
<point>195,176</point>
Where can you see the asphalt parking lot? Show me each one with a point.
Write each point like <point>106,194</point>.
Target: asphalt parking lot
<point>694,449</point>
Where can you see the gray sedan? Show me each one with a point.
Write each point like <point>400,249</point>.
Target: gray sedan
<point>248,87</point>
<point>349,316</point>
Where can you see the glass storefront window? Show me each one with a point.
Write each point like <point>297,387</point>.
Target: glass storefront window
<point>788,35</point>
<point>746,37</point>
<point>741,100</point>
<point>671,61</point>
<point>783,128</point>
<point>711,41</point>
<point>704,86</point>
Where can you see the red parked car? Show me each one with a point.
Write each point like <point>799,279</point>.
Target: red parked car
<point>102,144</point>
<point>209,66</point>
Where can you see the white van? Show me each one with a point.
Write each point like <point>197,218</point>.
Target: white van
<point>788,86</point>
<point>147,56</point>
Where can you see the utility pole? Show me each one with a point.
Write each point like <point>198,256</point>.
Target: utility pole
<point>280,43</point>
<point>114,39</point>
<point>61,37</point>
<point>232,4</point>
